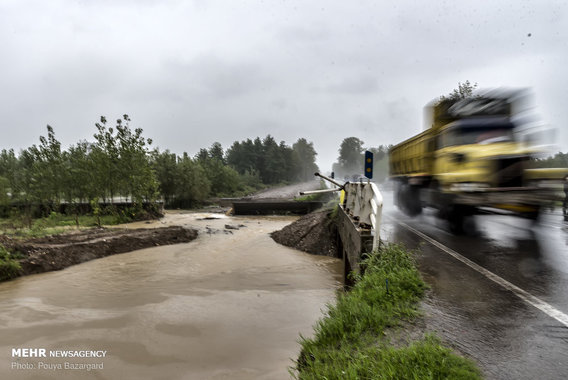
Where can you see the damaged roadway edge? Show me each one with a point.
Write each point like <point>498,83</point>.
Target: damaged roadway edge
<point>314,233</point>
<point>61,251</point>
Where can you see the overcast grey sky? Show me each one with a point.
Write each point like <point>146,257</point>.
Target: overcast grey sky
<point>194,72</point>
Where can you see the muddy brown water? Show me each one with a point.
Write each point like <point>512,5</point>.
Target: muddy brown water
<point>229,305</point>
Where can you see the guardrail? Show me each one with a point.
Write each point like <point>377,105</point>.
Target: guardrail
<point>364,203</point>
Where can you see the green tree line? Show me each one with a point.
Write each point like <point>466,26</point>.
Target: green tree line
<point>351,160</point>
<point>559,160</point>
<point>120,164</point>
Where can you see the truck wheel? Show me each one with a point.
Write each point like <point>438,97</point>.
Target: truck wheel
<point>533,215</point>
<point>456,217</point>
<point>415,199</point>
<point>410,200</point>
<point>455,220</point>
<point>434,198</point>
<point>397,194</point>
<point>401,196</point>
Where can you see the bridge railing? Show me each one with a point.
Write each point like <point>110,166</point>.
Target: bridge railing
<point>364,203</point>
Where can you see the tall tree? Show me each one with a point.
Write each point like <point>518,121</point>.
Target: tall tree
<point>216,153</point>
<point>165,165</point>
<point>241,157</point>
<point>192,184</point>
<point>78,174</point>
<point>273,168</point>
<point>137,177</point>
<point>350,160</point>
<point>465,90</point>
<point>9,169</point>
<point>305,154</point>
<point>105,156</point>
<point>121,159</point>
<point>4,192</point>
<point>46,169</point>
<point>202,156</point>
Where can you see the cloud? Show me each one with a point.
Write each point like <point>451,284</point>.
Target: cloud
<point>362,85</point>
<point>190,73</point>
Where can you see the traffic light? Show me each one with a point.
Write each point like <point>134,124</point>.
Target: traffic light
<point>368,164</point>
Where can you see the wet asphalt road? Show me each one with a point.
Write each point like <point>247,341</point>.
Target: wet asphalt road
<point>497,327</point>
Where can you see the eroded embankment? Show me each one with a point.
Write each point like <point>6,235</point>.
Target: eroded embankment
<point>314,233</point>
<point>61,251</point>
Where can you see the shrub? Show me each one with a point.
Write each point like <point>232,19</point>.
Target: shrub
<point>9,267</point>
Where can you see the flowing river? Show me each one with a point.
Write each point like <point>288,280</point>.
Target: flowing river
<point>229,305</point>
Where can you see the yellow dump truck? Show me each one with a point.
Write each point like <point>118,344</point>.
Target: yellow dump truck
<point>470,160</point>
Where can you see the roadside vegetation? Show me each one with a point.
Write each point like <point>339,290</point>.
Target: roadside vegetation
<point>9,265</point>
<point>355,338</point>
<point>559,160</point>
<point>120,177</point>
<point>57,223</point>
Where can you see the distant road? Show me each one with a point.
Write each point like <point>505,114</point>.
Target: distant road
<point>287,192</point>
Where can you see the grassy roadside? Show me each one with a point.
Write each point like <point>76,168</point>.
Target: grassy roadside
<point>352,340</point>
<point>55,223</point>
<point>9,265</point>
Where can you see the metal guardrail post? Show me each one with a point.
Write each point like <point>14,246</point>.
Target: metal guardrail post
<point>364,202</point>
<point>377,214</point>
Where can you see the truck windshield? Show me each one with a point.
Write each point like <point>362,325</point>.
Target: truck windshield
<point>466,136</point>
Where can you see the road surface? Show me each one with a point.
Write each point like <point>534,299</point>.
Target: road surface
<point>499,294</point>
<point>289,191</point>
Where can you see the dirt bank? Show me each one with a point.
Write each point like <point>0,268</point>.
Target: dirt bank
<point>60,251</point>
<point>313,233</point>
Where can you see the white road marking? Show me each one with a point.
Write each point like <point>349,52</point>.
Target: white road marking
<point>522,294</point>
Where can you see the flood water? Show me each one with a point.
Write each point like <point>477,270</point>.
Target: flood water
<point>229,305</point>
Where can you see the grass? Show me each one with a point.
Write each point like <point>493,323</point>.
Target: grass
<point>9,266</point>
<point>55,223</point>
<point>351,341</point>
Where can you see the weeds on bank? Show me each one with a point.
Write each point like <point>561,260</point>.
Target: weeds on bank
<point>350,342</point>
<point>9,266</point>
<point>56,223</point>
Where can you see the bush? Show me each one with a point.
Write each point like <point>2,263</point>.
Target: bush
<point>9,267</point>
